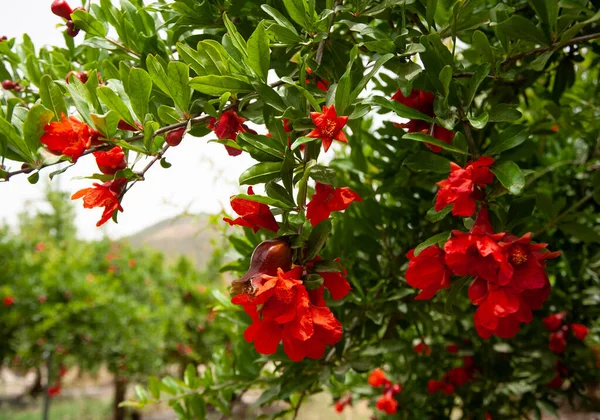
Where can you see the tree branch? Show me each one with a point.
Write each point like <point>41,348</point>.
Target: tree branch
<point>573,41</point>
<point>558,218</point>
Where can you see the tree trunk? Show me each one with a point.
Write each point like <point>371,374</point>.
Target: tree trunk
<point>120,390</point>
<point>37,388</point>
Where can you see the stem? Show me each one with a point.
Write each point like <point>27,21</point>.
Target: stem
<point>46,409</point>
<point>123,47</point>
<point>563,214</point>
<point>321,47</point>
<point>298,404</point>
<point>575,40</point>
<point>548,169</point>
<point>156,158</point>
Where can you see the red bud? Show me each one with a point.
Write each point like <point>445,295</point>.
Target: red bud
<point>8,85</point>
<point>174,137</point>
<point>61,9</point>
<point>72,30</point>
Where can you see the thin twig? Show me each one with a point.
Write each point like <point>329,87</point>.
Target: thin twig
<point>237,398</point>
<point>321,47</point>
<point>563,214</point>
<point>123,47</point>
<point>573,41</point>
<point>298,404</point>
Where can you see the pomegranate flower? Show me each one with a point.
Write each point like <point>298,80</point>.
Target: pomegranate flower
<point>282,310</point>
<point>428,271</point>
<point>328,126</point>
<point>387,403</point>
<point>69,137</point>
<point>326,200</point>
<point>462,187</point>
<point>423,102</point>
<point>378,378</point>
<point>8,301</point>
<point>422,348</point>
<point>103,195</point>
<point>112,161</point>
<point>322,84</point>
<point>228,127</point>
<point>252,214</point>
<point>557,342</point>
<point>553,322</point>
<point>336,281</point>
<point>580,331</point>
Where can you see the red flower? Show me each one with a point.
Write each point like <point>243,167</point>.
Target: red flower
<point>335,281</point>
<point>328,126</point>
<point>112,161</point>
<point>462,187</point>
<point>422,348</point>
<point>252,214</point>
<point>9,301</point>
<point>428,271</point>
<point>452,348</point>
<point>288,314</point>
<point>103,195</point>
<point>287,127</point>
<point>423,102</point>
<point>434,386</point>
<point>54,390</point>
<point>339,406</point>
<point>555,383</point>
<point>558,342</point>
<point>69,137</point>
<point>387,403</point>
<point>326,200</point>
<point>378,378</point>
<point>228,127</point>
<point>554,321</point>
<point>458,376</point>
<point>321,83</point>
<point>580,331</point>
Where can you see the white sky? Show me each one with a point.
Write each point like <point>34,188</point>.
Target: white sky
<point>202,178</point>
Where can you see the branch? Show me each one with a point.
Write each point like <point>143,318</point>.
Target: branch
<point>321,47</point>
<point>298,405</point>
<point>573,41</point>
<point>123,47</point>
<point>563,214</point>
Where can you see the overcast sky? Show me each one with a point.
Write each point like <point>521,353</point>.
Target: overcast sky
<point>202,177</point>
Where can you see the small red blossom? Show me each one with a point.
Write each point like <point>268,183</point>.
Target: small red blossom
<point>321,84</point>
<point>42,299</point>
<point>422,348</point>
<point>553,322</point>
<point>423,102</point>
<point>228,127</point>
<point>452,348</point>
<point>8,301</point>
<point>328,126</point>
<point>463,187</point>
<point>103,195</point>
<point>387,403</point>
<point>335,281</point>
<point>112,161</point>
<point>428,271</point>
<point>54,390</point>
<point>458,376</point>
<point>40,246</point>
<point>580,331</point>
<point>342,403</point>
<point>555,383</point>
<point>327,200</point>
<point>252,214</point>
<point>378,378</point>
<point>558,342</point>
<point>69,137</point>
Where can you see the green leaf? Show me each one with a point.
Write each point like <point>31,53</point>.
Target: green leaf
<point>510,176</point>
<point>323,174</point>
<point>457,286</point>
<point>270,96</point>
<point>504,113</point>
<point>261,172</point>
<point>518,27</point>
<point>191,57</point>
<point>430,7</point>
<point>297,11</point>
<point>446,78</point>
<point>436,216</point>
<point>400,109</point>
<point>88,23</point>
<point>53,97</point>
<point>115,103</point>
<point>263,143</point>
<point>190,376</point>
<point>106,124</point>
<point>432,241</point>
<point>238,41</point>
<point>367,77</point>
<point>139,90</point>
<point>342,93</point>
<point>480,121</point>
<point>478,77</point>
<point>520,211</point>
<point>259,56</point>
<point>279,193</point>
<point>317,239</point>
<point>15,141</point>
<point>582,232</point>
<point>33,128</point>
<point>481,45</point>
<point>263,200</point>
<point>509,138</point>
<point>425,138</point>
<point>279,18</point>
<point>168,115</point>
<point>179,89</point>
<point>547,11</point>
<point>218,85</point>
<point>428,162</point>
<point>302,140</point>
<point>154,387</point>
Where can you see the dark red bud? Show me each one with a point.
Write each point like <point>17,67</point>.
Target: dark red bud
<point>26,168</point>
<point>266,259</point>
<point>126,126</point>
<point>8,85</point>
<point>3,38</point>
<point>82,76</point>
<point>72,30</point>
<point>174,137</point>
<point>61,9</point>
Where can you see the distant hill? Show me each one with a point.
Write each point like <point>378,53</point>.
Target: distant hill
<point>193,236</point>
